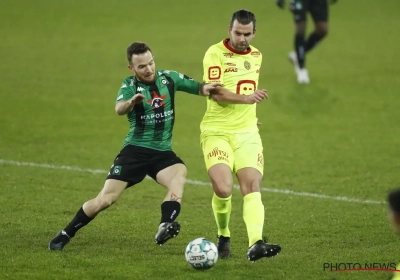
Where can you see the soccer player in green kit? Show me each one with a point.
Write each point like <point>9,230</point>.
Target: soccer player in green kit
<point>147,98</point>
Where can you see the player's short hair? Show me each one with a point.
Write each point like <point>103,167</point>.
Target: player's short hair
<point>394,200</point>
<point>136,48</point>
<point>243,17</point>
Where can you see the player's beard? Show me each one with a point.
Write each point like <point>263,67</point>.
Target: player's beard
<point>147,78</point>
<point>241,47</point>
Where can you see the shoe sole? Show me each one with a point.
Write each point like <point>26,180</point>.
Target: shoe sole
<point>172,230</point>
<point>269,254</point>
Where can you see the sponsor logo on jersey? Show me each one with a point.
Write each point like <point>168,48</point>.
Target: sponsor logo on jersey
<point>214,72</point>
<point>140,89</point>
<point>247,65</point>
<point>229,54</point>
<point>230,69</point>
<point>157,101</point>
<point>230,64</point>
<point>255,53</point>
<point>132,82</point>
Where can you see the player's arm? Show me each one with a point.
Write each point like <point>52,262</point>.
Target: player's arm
<point>223,95</point>
<point>187,84</point>
<point>126,100</point>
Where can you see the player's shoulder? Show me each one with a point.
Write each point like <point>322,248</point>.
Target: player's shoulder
<point>216,48</point>
<point>169,73</point>
<point>128,82</point>
<point>255,52</point>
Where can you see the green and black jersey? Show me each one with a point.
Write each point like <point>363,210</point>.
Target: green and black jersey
<point>152,121</point>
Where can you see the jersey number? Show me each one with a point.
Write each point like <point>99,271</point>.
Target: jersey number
<point>245,87</point>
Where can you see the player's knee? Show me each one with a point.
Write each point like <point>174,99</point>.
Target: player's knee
<point>222,186</point>
<point>322,30</point>
<point>178,181</point>
<point>300,29</point>
<point>105,201</point>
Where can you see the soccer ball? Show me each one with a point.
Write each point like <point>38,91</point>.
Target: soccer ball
<point>201,254</point>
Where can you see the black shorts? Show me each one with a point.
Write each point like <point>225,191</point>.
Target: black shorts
<point>133,163</point>
<point>317,8</point>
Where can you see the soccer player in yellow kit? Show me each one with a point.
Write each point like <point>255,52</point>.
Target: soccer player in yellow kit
<point>229,134</point>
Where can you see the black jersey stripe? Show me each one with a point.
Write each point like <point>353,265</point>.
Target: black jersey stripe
<point>159,121</point>
<point>139,123</point>
<point>171,89</point>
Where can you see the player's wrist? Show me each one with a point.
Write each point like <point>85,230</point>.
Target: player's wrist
<point>201,88</point>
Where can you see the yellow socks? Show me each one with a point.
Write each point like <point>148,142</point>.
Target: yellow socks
<point>222,212</point>
<point>253,216</point>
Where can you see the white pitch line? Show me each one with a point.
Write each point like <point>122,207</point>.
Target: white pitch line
<point>194,182</point>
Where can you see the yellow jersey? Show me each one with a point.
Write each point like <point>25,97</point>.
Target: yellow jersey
<point>396,275</point>
<point>239,73</point>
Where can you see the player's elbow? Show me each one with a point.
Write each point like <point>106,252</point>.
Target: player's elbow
<point>119,110</point>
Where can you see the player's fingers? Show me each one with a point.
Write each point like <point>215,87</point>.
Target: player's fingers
<point>218,85</point>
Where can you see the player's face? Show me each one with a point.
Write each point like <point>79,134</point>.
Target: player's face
<point>241,35</point>
<point>143,67</point>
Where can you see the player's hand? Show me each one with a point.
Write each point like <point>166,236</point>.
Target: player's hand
<point>280,3</point>
<point>207,88</point>
<point>136,99</point>
<point>257,96</point>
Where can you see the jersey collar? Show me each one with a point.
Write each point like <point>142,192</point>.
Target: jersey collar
<point>233,50</point>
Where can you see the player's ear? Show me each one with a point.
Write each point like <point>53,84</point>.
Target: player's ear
<point>254,32</point>
<point>130,67</point>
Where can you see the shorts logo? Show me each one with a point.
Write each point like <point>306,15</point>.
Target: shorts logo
<point>260,160</point>
<point>117,170</point>
<point>219,154</point>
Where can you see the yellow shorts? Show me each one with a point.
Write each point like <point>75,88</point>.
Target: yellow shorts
<point>233,149</point>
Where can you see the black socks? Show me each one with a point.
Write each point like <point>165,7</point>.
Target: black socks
<point>169,211</point>
<point>79,221</point>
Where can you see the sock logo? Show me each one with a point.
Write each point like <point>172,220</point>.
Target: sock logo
<point>173,214</point>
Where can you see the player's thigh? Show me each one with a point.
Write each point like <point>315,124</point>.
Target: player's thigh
<point>219,160</point>
<point>167,169</point>
<point>130,166</point>
<point>319,10</point>
<point>299,9</point>
<point>111,192</point>
<point>249,152</point>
